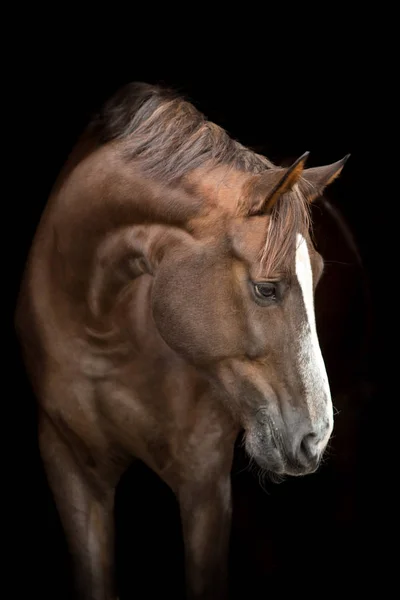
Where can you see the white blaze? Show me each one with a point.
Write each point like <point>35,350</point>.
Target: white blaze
<point>311,363</point>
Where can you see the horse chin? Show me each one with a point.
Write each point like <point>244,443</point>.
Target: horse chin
<point>270,463</point>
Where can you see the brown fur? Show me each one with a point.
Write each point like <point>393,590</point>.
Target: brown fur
<point>141,332</point>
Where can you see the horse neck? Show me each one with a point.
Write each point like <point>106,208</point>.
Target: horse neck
<point>93,197</point>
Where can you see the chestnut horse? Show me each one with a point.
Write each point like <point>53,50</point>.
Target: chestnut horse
<point>167,305</point>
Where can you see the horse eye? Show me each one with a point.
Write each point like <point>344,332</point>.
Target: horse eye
<point>265,290</point>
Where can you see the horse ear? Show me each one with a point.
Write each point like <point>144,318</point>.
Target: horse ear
<point>268,187</point>
<point>319,178</point>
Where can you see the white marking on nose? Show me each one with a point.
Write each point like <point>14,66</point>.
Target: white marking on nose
<point>311,362</point>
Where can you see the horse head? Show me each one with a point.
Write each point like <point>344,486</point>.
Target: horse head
<point>233,294</point>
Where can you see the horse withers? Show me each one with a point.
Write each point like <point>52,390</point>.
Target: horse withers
<point>167,305</point>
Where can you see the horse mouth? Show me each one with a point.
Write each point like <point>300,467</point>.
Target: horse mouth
<point>263,447</point>
<point>277,463</point>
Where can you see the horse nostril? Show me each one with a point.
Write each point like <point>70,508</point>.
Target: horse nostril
<point>308,446</point>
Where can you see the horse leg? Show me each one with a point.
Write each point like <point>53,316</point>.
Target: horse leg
<point>206,521</point>
<point>86,511</point>
<point>205,499</point>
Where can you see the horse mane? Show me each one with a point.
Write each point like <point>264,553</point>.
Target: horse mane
<point>168,138</point>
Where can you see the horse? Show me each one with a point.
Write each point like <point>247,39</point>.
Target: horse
<point>167,306</point>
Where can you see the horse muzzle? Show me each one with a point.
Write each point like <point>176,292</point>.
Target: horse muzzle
<point>292,452</point>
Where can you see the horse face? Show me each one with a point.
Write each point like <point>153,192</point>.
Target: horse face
<point>254,336</point>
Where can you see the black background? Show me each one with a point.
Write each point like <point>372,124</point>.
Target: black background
<point>325,532</point>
